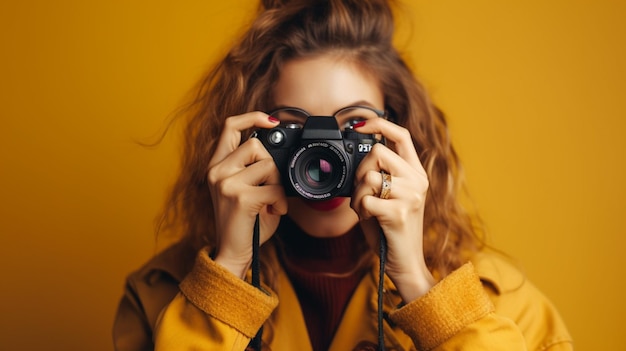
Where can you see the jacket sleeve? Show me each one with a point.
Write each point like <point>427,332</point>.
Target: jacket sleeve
<point>458,314</point>
<point>214,311</point>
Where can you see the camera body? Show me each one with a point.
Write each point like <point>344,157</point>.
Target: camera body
<point>316,161</point>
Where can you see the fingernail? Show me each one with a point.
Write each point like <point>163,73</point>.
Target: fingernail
<point>273,119</point>
<point>358,124</point>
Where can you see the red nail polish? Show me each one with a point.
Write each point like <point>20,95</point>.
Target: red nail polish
<point>358,124</point>
<point>273,119</point>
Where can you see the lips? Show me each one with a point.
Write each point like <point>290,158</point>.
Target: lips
<point>327,205</point>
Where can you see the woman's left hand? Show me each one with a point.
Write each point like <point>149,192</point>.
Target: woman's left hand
<point>401,215</point>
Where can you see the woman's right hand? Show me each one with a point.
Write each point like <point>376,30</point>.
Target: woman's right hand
<point>244,182</point>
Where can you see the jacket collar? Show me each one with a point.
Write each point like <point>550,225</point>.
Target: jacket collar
<point>175,261</point>
<point>498,271</point>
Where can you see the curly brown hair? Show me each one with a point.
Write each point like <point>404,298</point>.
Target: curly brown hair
<point>361,31</point>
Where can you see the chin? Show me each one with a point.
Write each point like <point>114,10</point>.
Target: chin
<point>323,218</point>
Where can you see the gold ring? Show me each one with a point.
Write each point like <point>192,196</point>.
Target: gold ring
<point>385,189</point>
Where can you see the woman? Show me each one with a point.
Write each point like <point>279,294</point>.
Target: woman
<point>303,62</point>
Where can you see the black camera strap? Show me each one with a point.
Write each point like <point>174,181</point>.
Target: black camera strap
<point>382,250</point>
<point>256,342</point>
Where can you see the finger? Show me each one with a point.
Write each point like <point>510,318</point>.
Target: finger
<point>368,183</point>
<point>231,133</point>
<point>245,185</point>
<point>263,172</point>
<point>373,206</point>
<point>270,196</point>
<point>371,185</point>
<point>397,135</point>
<point>365,188</point>
<point>251,152</point>
<point>383,158</point>
<point>280,206</point>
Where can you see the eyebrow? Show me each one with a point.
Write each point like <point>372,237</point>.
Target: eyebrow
<point>354,104</point>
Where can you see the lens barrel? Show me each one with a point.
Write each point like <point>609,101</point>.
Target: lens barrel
<point>318,170</point>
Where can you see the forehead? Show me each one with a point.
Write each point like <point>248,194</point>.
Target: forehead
<point>324,84</point>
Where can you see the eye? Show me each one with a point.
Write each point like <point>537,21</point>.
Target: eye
<point>290,115</point>
<point>349,116</point>
<point>348,123</point>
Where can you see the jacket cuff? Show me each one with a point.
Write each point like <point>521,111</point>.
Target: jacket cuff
<point>220,294</point>
<point>451,305</point>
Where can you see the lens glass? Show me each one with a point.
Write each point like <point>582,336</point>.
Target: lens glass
<point>318,172</point>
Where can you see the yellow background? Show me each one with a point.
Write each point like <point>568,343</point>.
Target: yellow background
<point>534,91</point>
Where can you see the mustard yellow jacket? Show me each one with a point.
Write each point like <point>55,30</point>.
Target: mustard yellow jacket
<point>174,303</point>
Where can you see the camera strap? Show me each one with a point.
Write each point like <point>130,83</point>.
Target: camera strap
<point>382,251</point>
<point>256,342</point>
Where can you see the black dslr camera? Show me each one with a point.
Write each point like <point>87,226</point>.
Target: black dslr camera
<point>316,161</point>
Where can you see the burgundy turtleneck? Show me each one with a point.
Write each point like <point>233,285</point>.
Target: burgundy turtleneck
<point>324,273</point>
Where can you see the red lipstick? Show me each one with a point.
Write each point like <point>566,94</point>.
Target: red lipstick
<point>327,205</point>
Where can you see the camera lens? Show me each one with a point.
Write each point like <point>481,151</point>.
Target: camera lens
<point>318,171</point>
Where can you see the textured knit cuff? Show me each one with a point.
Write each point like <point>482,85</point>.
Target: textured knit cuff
<point>222,295</point>
<point>446,309</point>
